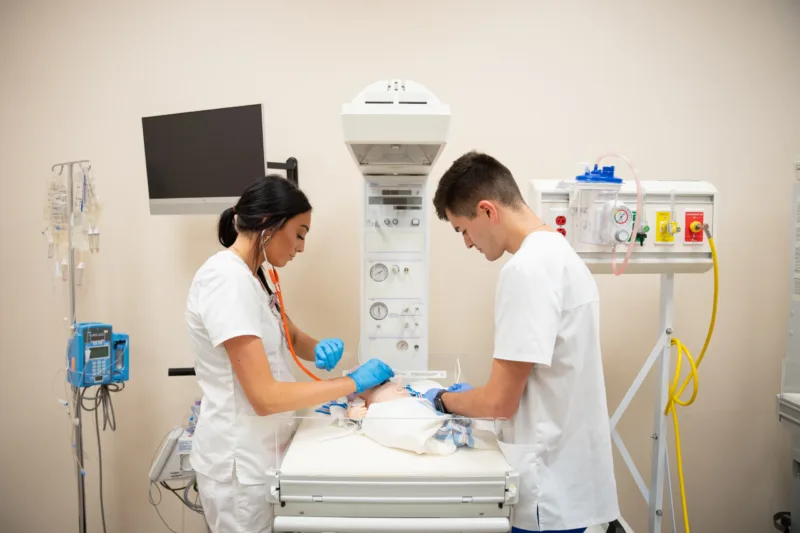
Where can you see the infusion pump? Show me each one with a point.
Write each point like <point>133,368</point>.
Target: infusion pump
<point>395,280</point>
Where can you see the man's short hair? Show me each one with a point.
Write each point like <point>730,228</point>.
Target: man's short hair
<point>472,178</point>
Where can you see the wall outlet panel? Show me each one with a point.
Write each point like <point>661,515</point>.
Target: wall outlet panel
<point>666,205</point>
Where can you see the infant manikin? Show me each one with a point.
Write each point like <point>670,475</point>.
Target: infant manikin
<point>389,391</point>
<point>398,416</point>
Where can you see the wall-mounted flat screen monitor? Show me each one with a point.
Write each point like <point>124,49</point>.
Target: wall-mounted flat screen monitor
<point>200,162</point>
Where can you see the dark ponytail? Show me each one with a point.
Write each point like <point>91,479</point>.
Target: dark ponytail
<point>265,205</point>
<point>226,229</point>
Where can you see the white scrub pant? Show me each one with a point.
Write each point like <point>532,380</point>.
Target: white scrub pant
<point>233,507</point>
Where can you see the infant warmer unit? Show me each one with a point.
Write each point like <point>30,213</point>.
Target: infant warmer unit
<point>395,132</point>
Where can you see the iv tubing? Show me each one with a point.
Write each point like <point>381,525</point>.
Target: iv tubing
<point>636,222</point>
<point>273,274</point>
<point>675,395</point>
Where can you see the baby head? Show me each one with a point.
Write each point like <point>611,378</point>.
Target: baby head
<point>385,392</point>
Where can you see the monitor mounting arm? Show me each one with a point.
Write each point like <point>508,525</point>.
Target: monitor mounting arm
<point>290,166</point>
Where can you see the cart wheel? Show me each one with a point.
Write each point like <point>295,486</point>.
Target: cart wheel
<point>615,527</point>
<point>783,522</point>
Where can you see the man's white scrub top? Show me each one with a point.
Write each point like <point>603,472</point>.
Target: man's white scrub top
<point>547,313</point>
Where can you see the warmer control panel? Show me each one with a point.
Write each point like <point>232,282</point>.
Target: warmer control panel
<point>395,272</point>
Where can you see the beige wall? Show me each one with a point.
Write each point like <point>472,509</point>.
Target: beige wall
<point>688,90</point>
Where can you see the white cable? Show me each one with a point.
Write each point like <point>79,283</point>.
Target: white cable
<point>69,411</point>
<point>156,504</point>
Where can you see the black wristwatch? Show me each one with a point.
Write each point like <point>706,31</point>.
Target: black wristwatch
<point>438,403</point>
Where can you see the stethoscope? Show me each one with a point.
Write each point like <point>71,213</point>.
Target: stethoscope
<point>273,275</point>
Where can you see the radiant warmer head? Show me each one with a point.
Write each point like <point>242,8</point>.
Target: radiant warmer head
<point>395,127</point>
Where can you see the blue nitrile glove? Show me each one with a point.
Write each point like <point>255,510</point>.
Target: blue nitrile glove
<point>327,353</point>
<point>371,374</point>
<point>430,394</point>
<point>459,387</point>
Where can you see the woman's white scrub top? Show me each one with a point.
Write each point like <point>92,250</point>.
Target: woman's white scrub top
<point>225,301</point>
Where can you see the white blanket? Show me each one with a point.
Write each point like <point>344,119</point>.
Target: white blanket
<point>413,424</point>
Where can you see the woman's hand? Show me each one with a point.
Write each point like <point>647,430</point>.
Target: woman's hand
<point>327,353</point>
<point>371,374</point>
<point>269,396</point>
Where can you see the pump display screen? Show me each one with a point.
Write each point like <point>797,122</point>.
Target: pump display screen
<point>98,352</point>
<point>97,335</point>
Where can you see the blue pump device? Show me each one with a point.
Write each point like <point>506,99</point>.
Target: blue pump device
<point>96,355</point>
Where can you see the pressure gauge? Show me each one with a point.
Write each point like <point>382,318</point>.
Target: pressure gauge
<point>378,311</point>
<point>402,346</point>
<point>621,215</point>
<point>379,272</point>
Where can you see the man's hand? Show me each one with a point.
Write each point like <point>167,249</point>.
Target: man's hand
<point>430,394</point>
<point>459,387</point>
<point>498,399</point>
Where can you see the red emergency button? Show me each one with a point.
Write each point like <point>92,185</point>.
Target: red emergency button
<point>562,231</point>
<point>561,220</point>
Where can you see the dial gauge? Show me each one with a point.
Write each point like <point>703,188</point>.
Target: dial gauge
<point>378,311</point>
<point>621,215</point>
<point>379,272</point>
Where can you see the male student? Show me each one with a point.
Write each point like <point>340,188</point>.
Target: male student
<point>547,372</point>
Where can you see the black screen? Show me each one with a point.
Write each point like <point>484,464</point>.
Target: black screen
<point>201,154</point>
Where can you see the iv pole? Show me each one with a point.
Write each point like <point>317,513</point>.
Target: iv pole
<point>72,321</point>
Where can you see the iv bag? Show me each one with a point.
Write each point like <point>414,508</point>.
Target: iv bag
<point>55,207</point>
